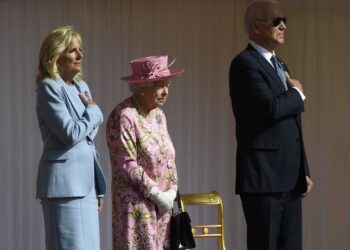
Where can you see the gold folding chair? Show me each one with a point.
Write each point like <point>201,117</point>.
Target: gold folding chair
<point>204,231</point>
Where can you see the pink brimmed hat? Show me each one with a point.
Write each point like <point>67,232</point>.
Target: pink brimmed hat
<point>150,69</point>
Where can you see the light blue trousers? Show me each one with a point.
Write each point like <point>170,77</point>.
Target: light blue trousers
<point>72,223</point>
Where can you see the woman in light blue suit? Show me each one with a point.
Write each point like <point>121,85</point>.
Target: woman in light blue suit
<point>70,181</point>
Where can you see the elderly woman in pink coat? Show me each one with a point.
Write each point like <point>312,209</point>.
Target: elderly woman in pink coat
<point>144,183</point>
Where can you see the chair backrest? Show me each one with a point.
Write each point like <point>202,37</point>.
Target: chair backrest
<point>204,231</point>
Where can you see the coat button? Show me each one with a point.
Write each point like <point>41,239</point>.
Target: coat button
<point>89,142</point>
<point>170,163</point>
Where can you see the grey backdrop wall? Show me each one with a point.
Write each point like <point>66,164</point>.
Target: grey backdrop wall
<point>203,35</point>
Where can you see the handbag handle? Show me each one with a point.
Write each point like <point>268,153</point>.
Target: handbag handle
<point>177,199</point>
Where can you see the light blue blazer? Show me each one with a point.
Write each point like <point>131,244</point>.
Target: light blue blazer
<point>69,165</point>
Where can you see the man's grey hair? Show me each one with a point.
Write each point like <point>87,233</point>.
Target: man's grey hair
<point>255,11</point>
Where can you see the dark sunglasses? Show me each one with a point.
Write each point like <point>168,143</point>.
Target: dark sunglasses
<point>275,21</point>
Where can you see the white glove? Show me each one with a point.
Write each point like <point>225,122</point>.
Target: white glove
<point>171,194</point>
<point>162,199</point>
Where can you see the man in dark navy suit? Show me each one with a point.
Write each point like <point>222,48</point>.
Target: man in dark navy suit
<point>272,171</point>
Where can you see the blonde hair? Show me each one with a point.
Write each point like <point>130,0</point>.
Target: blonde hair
<point>56,42</point>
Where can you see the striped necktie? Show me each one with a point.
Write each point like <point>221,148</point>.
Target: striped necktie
<point>280,71</point>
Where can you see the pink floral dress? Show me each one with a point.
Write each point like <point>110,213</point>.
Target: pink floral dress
<point>142,156</point>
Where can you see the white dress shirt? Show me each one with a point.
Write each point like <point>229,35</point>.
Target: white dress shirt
<point>267,55</point>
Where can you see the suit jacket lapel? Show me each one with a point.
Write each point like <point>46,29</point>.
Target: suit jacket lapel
<point>75,102</point>
<point>269,70</point>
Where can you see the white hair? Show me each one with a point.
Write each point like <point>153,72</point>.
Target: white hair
<point>136,87</point>
<point>254,11</point>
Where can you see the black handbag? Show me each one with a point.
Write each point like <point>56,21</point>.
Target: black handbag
<point>181,236</point>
